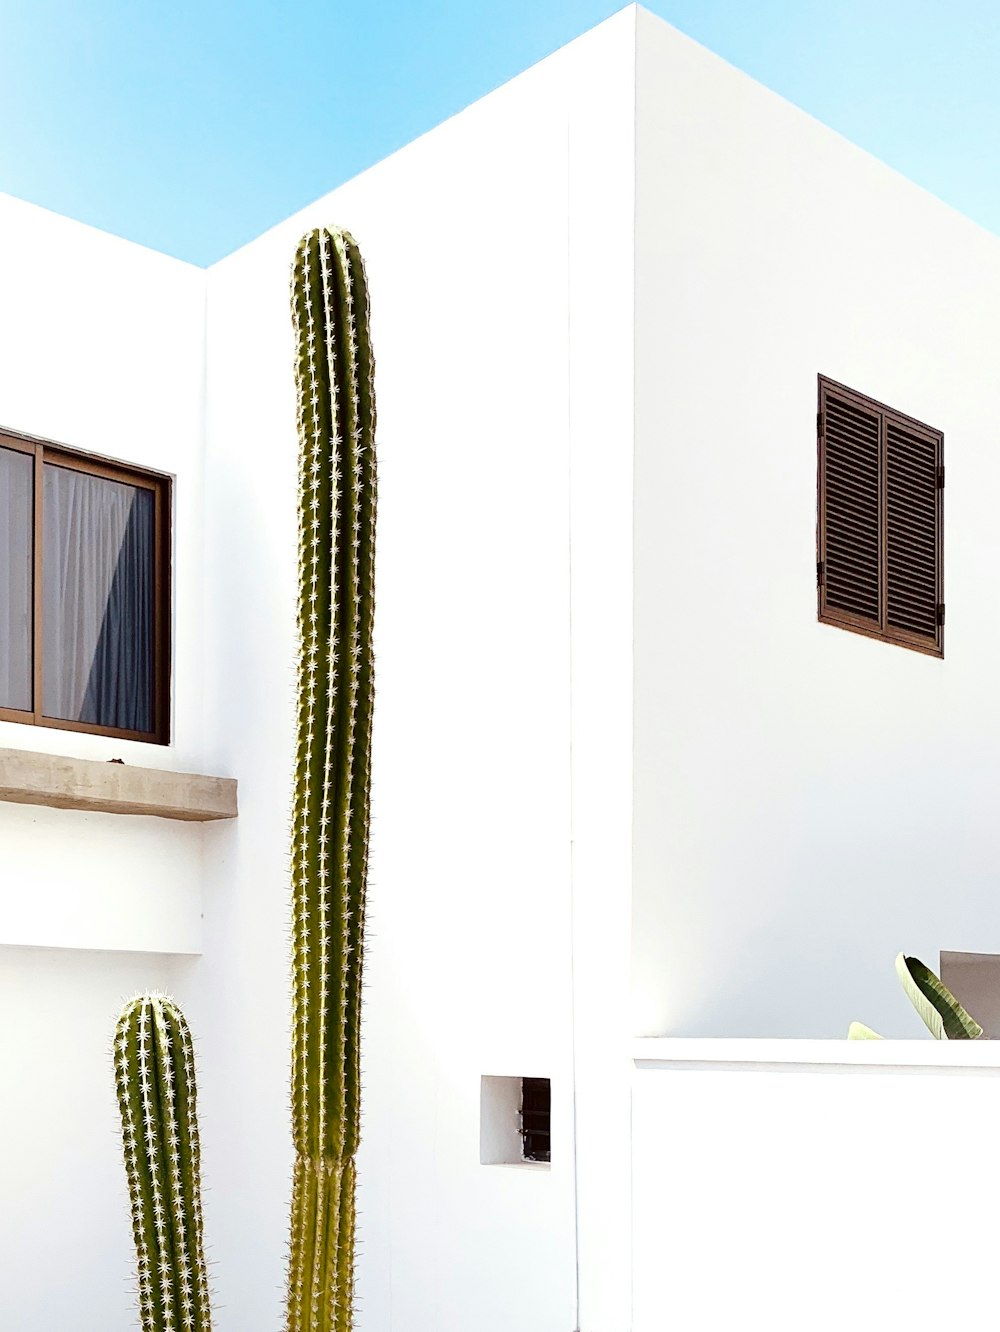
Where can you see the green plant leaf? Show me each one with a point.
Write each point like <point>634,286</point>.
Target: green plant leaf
<point>943,1015</point>
<point>857,1031</point>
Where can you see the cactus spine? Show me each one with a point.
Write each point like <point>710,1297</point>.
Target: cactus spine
<point>154,1077</point>
<point>330,813</point>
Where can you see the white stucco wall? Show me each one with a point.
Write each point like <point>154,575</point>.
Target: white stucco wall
<point>102,349</point>
<point>601,430</point>
<point>472,283</point>
<point>807,801</point>
<point>792,1184</point>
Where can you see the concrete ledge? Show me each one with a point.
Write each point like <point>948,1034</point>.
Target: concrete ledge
<point>113,788</point>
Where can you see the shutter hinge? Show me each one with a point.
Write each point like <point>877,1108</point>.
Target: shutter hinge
<point>820,572</point>
<point>940,477</point>
<point>940,613</point>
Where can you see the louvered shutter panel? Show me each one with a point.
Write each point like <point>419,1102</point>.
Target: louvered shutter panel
<point>913,502</point>
<point>851,503</point>
<point>880,521</point>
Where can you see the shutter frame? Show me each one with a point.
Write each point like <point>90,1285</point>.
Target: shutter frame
<point>840,510</point>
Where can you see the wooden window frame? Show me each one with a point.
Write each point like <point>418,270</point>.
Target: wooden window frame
<point>44,451</point>
<point>845,619</point>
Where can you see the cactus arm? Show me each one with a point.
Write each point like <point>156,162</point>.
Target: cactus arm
<point>330,806</point>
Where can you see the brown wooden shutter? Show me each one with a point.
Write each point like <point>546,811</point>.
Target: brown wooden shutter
<point>913,499</point>
<point>851,476</point>
<point>879,556</point>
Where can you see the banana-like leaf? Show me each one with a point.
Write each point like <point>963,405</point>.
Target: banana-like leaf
<point>857,1031</point>
<point>943,1015</point>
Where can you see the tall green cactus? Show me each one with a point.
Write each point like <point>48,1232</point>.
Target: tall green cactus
<point>154,1077</point>
<point>330,815</point>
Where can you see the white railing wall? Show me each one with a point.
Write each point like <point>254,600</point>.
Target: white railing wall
<point>815,1184</point>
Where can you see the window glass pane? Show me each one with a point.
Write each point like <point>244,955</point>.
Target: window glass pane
<point>97,584</point>
<point>16,504</point>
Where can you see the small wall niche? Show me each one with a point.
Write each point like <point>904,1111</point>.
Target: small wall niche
<point>974,980</point>
<point>515,1121</point>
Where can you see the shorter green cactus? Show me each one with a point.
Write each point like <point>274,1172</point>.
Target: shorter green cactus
<point>154,1077</point>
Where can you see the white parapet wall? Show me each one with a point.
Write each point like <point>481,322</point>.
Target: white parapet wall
<point>814,1184</point>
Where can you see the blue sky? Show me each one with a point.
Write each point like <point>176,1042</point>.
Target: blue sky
<point>192,126</point>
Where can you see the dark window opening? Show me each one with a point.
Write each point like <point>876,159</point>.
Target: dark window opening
<point>536,1116</point>
<point>84,600</point>
<point>880,526</point>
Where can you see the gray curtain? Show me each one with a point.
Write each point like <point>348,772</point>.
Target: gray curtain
<point>16,524</point>
<point>120,688</point>
<point>98,599</point>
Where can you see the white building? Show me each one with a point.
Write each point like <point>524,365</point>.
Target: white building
<point>626,785</point>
